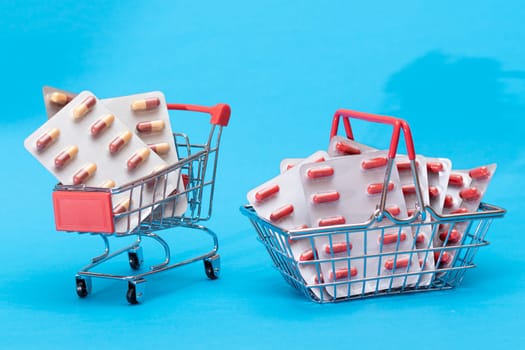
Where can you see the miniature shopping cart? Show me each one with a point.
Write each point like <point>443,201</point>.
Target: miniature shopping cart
<point>89,210</point>
<point>451,261</point>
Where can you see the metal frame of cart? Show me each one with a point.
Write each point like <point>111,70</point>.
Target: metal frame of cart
<point>277,241</point>
<point>89,210</point>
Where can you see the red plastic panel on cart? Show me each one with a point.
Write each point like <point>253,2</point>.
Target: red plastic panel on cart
<point>83,211</point>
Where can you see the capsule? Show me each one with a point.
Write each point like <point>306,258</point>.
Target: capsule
<point>84,107</point>
<point>400,263</point>
<point>454,236</point>
<point>433,191</point>
<point>282,212</point>
<point>323,171</point>
<point>405,165</point>
<point>59,98</point>
<point>470,194</point>
<point>373,163</point>
<point>378,188</point>
<point>121,207</point>
<point>316,279</point>
<point>340,247</point>
<point>392,238</point>
<point>108,184</point>
<point>150,126</point>
<point>307,255</point>
<point>145,104</point>
<point>346,149</point>
<point>119,142</point>
<point>266,192</point>
<point>160,148</point>
<point>289,166</point>
<point>335,220</point>
<point>47,139</point>
<point>65,156</point>
<point>480,173</point>
<point>153,181</point>
<point>435,167</point>
<point>445,258</point>
<point>459,211</point>
<point>394,210</point>
<point>326,197</point>
<point>408,189</point>
<point>420,238</point>
<point>455,180</point>
<point>84,173</point>
<point>138,158</point>
<point>342,273</point>
<point>411,212</point>
<point>449,201</point>
<point>102,124</point>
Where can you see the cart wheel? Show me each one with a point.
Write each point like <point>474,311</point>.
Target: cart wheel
<point>82,289</point>
<point>134,260</point>
<point>131,295</point>
<point>212,267</point>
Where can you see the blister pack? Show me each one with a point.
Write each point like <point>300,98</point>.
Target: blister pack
<point>347,190</point>
<point>55,99</point>
<point>281,201</point>
<point>422,233</point>
<point>465,191</point>
<point>85,144</point>
<point>342,146</point>
<point>147,115</point>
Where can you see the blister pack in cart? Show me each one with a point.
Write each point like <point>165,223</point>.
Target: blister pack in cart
<point>124,173</point>
<point>376,223</point>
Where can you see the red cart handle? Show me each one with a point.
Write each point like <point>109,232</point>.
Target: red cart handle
<point>397,123</point>
<point>220,113</point>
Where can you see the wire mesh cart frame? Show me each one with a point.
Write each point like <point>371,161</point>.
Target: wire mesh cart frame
<point>89,210</point>
<point>447,274</point>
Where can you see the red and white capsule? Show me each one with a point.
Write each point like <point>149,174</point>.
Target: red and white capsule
<point>342,273</point>
<point>145,104</point>
<point>455,180</point>
<point>266,192</point>
<point>318,172</point>
<point>122,207</point>
<point>335,220</point>
<point>59,98</point>
<point>138,158</point>
<point>345,148</point>
<point>108,184</point>
<point>325,197</point>
<point>470,194</point>
<point>435,167</point>
<point>47,139</point>
<point>84,107</point>
<point>102,124</point>
<point>378,188</point>
<point>400,263</point>
<point>150,126</point>
<point>160,148</point>
<point>282,212</point>
<point>480,173</point>
<point>390,238</point>
<point>374,163</point>
<point>65,156</point>
<point>84,173</point>
<point>150,184</point>
<point>339,247</point>
<point>119,142</point>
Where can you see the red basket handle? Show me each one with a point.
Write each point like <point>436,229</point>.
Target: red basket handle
<point>220,113</point>
<point>397,123</point>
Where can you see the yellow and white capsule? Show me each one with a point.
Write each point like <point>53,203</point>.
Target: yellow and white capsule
<point>145,104</point>
<point>84,107</point>
<point>84,173</point>
<point>138,158</point>
<point>59,98</point>
<point>65,156</point>
<point>47,139</point>
<point>122,207</point>
<point>160,148</point>
<point>150,126</point>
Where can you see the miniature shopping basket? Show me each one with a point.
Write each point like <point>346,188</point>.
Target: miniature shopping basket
<point>447,274</point>
<point>89,210</point>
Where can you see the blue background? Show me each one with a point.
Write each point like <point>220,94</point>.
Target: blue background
<point>454,70</point>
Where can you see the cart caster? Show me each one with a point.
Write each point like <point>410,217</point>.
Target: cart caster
<point>135,258</point>
<point>135,291</point>
<point>83,286</point>
<point>212,266</point>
